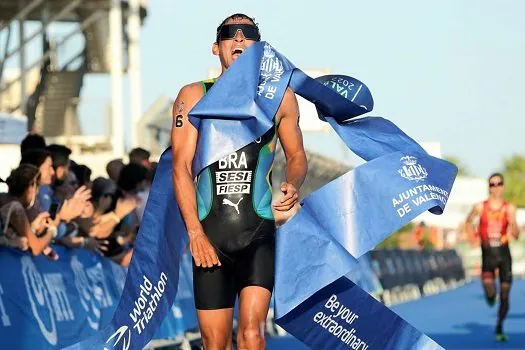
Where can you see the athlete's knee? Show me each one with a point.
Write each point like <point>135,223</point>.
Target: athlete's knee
<point>487,277</point>
<point>251,337</point>
<point>504,291</point>
<point>214,339</point>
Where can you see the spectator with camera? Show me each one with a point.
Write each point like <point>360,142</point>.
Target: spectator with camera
<point>23,187</point>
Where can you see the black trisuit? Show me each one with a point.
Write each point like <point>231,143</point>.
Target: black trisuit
<point>234,205</point>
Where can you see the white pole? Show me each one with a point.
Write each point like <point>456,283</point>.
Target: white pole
<point>117,117</point>
<point>134,70</point>
<point>22,63</point>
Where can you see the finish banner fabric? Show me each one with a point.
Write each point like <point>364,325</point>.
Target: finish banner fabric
<point>335,225</point>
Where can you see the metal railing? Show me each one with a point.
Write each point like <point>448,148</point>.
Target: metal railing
<point>22,14</point>
<point>87,22</point>
<point>66,10</point>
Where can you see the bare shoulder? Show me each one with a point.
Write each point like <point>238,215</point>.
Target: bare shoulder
<point>289,106</point>
<point>478,208</point>
<point>190,94</point>
<point>289,98</point>
<point>193,88</point>
<point>512,208</point>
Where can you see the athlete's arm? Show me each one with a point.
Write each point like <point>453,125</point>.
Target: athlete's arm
<point>476,211</point>
<point>513,224</point>
<point>184,142</point>
<point>292,141</point>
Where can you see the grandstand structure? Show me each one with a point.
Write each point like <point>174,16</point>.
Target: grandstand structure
<point>47,89</point>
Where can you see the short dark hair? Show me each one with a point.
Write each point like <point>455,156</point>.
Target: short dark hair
<point>497,174</point>
<point>113,168</point>
<point>32,141</point>
<point>131,176</point>
<point>60,155</point>
<point>137,155</point>
<point>35,156</point>
<point>234,16</point>
<point>102,186</point>
<point>82,173</point>
<point>21,178</point>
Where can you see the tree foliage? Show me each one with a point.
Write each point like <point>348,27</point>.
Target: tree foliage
<point>462,168</point>
<point>514,172</point>
<point>393,240</point>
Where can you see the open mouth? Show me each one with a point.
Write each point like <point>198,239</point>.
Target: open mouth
<point>237,51</point>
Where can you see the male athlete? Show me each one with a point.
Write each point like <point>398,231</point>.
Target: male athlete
<point>497,219</point>
<point>228,214</point>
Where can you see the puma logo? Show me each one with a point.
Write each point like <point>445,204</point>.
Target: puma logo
<point>231,204</point>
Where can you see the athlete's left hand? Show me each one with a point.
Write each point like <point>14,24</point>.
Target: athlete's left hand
<point>289,199</point>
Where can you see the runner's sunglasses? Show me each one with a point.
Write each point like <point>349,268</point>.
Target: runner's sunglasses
<point>228,31</point>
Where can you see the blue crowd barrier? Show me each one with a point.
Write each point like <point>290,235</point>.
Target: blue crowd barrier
<point>48,304</point>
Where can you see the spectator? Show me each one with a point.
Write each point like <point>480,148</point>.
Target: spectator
<point>32,141</point>
<point>140,156</point>
<point>113,169</point>
<point>112,210</point>
<point>46,199</point>
<point>102,193</point>
<point>23,188</point>
<point>60,155</point>
<point>82,174</point>
<point>43,161</point>
<point>135,181</point>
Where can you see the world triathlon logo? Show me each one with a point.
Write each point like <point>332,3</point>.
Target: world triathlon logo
<point>119,335</point>
<point>411,170</point>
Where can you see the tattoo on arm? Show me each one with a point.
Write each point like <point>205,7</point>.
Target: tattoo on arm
<point>179,107</point>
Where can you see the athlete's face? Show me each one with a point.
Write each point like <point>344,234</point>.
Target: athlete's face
<point>229,49</point>
<point>496,186</point>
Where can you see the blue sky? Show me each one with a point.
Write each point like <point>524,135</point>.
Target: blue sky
<point>449,71</point>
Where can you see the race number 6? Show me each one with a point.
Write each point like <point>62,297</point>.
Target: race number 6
<point>178,121</point>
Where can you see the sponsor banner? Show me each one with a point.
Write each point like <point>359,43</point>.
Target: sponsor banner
<point>50,304</point>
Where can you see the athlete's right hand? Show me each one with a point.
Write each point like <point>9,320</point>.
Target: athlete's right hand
<point>202,251</point>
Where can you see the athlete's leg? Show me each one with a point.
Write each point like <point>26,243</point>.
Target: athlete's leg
<point>489,287</point>
<point>253,308</point>
<point>214,291</point>
<point>505,275</point>
<point>216,328</point>
<point>255,279</point>
<point>504,302</point>
<point>488,269</point>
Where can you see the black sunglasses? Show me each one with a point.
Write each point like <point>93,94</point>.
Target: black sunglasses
<point>495,184</point>
<point>228,31</point>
